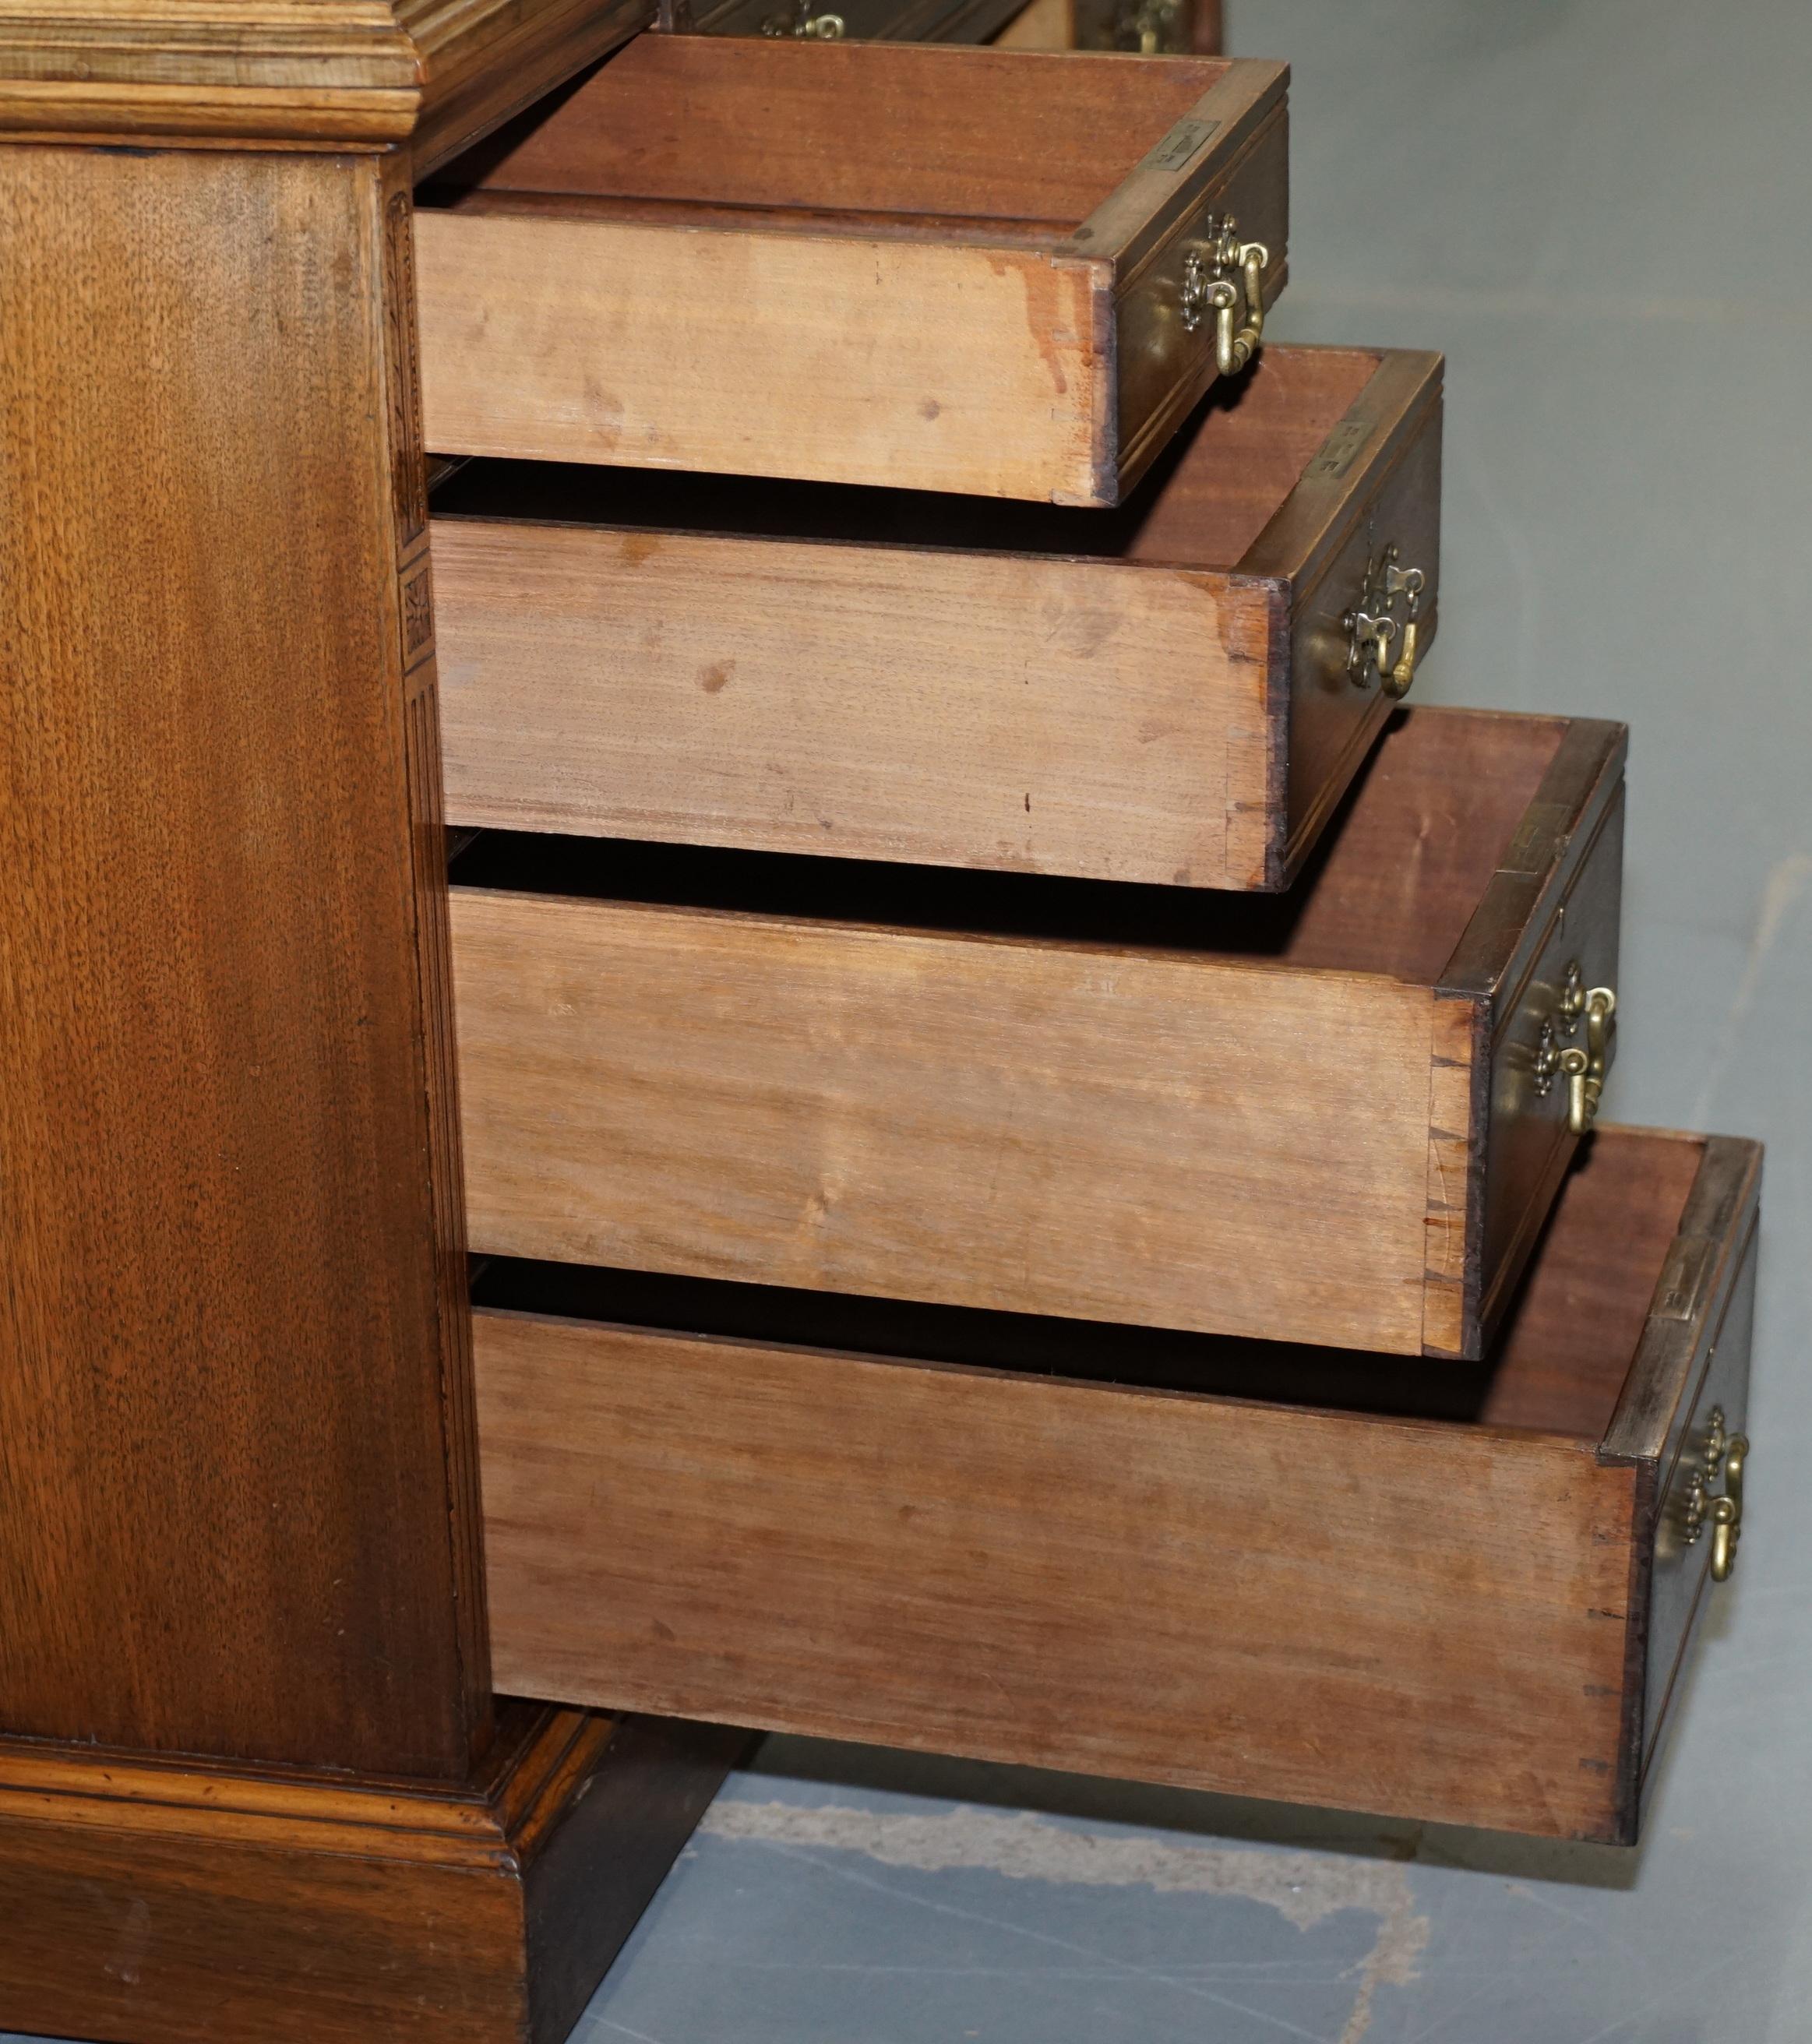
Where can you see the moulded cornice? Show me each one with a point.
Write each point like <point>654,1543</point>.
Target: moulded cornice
<point>347,72</point>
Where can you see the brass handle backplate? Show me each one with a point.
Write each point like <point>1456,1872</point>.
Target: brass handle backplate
<point>1373,630</point>
<point>1153,28</point>
<point>1208,286</point>
<point>800,21</point>
<point>1584,1069</point>
<point>1723,1513</point>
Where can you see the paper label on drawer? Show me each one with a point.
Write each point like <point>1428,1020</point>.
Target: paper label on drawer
<point>1184,140</point>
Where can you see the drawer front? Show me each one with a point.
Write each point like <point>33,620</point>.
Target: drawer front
<point>1164,366</point>
<point>1693,1463</point>
<point>1529,1144</point>
<point>1390,463</point>
<point>1545,931</point>
<point>963,273</point>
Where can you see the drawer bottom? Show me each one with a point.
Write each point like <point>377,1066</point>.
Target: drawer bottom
<point>1456,1593</point>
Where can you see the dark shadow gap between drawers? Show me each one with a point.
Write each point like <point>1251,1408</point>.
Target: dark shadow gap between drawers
<point>1559,1366</point>
<point>1390,890</point>
<point>1203,503</point>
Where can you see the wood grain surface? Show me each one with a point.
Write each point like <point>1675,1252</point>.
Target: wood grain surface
<point>1434,1620</point>
<point>240,1520</point>
<point>1227,1598</point>
<point>1126,694</point>
<point>180,1905</point>
<point>848,128</point>
<point>868,702</point>
<point>595,340</point>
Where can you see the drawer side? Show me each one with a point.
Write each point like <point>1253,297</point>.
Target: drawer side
<point>1082,1131</point>
<point>1163,368</point>
<point>946,709</point>
<point>1413,1620</point>
<point>820,356</point>
<point>1687,1393</point>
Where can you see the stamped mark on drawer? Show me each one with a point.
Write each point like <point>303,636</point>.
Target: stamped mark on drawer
<point>1185,140</point>
<point>1341,449</point>
<point>1681,1291</point>
<point>1538,839</point>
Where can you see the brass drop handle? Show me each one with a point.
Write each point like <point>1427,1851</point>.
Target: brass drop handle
<point>1584,1070</point>
<point>1728,1529</point>
<point>1208,287</point>
<point>1723,1514</point>
<point>1373,627</point>
<point>1397,682</point>
<point>1150,29</point>
<point>1235,347</point>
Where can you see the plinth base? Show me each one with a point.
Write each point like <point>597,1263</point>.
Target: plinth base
<point>152,1903</point>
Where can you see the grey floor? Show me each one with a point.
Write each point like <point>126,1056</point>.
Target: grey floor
<point>1602,211</point>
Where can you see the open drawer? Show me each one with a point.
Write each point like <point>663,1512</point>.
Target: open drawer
<point>1148,27</point>
<point>1460,1596</point>
<point>861,21</point>
<point>1337,1116</point>
<point>998,271</point>
<point>1178,691</point>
